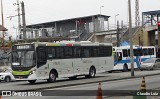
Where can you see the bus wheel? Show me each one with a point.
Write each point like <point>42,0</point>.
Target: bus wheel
<point>125,68</point>
<point>52,77</point>
<point>92,73</point>
<point>31,81</point>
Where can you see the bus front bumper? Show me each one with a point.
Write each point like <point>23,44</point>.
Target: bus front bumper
<point>30,77</point>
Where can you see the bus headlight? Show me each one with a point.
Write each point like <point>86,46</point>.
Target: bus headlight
<point>33,71</point>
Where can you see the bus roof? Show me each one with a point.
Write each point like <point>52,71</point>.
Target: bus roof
<point>134,47</point>
<point>68,43</point>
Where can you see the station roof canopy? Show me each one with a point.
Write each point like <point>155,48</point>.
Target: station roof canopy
<point>85,18</point>
<point>156,12</point>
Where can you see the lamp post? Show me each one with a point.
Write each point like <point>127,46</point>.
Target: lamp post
<point>100,20</point>
<point>130,37</point>
<point>101,9</point>
<point>116,19</point>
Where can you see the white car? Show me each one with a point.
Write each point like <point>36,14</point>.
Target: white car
<point>7,76</point>
<point>150,64</point>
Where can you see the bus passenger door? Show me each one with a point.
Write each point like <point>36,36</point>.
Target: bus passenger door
<point>117,57</point>
<point>118,64</point>
<point>41,62</point>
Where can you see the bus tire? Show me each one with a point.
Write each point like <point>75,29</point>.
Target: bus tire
<point>31,81</point>
<point>52,77</point>
<point>125,68</point>
<point>92,73</point>
<point>7,79</point>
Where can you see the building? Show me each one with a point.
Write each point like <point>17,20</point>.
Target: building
<point>4,59</point>
<point>147,34</point>
<point>78,29</point>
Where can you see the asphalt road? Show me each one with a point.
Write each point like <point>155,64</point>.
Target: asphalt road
<point>89,91</point>
<point>42,84</point>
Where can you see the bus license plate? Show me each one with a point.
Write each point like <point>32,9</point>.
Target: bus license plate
<point>20,77</point>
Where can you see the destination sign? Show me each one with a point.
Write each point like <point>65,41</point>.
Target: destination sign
<point>22,47</point>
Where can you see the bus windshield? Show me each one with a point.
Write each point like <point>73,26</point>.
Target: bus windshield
<point>23,58</point>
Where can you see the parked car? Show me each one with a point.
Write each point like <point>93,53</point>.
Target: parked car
<point>150,64</point>
<point>7,75</point>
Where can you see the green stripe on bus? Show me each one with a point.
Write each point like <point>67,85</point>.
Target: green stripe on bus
<point>21,72</point>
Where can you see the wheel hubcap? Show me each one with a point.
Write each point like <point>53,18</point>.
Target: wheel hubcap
<point>52,76</point>
<point>92,73</point>
<point>7,79</point>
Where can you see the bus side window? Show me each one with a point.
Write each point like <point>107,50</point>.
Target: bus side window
<point>95,51</point>
<point>150,51</point>
<point>77,52</point>
<point>101,52</point>
<point>59,52</point>
<point>68,52</point>
<point>41,56</point>
<point>51,52</point>
<point>85,52</point>
<point>145,51</point>
<point>125,53</point>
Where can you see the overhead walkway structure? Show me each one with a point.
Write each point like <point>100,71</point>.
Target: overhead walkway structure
<point>78,29</point>
<point>146,34</point>
<point>149,28</point>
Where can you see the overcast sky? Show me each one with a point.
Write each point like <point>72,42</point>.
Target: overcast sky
<point>38,11</point>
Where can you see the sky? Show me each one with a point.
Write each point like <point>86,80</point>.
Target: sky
<point>41,11</point>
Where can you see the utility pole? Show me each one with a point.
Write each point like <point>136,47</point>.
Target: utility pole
<point>122,31</point>
<point>19,19</point>
<point>130,37</point>
<point>3,29</point>
<point>23,21</point>
<point>118,32</point>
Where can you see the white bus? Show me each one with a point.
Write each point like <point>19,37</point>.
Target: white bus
<point>122,56</point>
<point>49,61</point>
